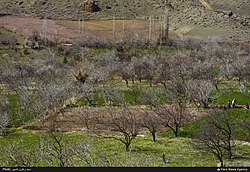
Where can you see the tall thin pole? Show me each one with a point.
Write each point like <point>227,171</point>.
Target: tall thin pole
<point>160,30</point>
<point>164,27</point>
<point>150,28</point>
<point>166,19</point>
<point>45,31</point>
<point>153,27</point>
<point>166,23</point>
<point>56,36</point>
<point>123,26</point>
<point>83,25</point>
<point>79,26</point>
<point>114,28</point>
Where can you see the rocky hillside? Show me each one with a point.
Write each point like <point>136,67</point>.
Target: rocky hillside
<point>71,9</point>
<point>226,18</point>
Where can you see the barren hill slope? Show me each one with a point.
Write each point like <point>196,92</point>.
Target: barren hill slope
<point>227,19</point>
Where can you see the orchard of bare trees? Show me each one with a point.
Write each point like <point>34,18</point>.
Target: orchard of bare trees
<point>122,93</point>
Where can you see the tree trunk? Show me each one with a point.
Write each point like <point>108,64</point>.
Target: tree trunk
<point>230,154</point>
<point>215,83</point>
<point>175,130</point>
<point>164,84</point>
<point>154,136</point>
<point>176,133</point>
<point>126,82</point>
<point>220,155</point>
<point>205,105</point>
<point>150,84</point>
<point>221,163</point>
<point>127,147</point>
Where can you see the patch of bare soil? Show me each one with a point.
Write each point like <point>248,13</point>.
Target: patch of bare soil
<point>69,120</point>
<point>68,31</point>
<point>74,119</point>
<point>26,25</point>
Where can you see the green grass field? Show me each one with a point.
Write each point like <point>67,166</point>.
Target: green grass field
<point>144,152</point>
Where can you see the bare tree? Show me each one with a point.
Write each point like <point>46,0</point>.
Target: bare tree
<point>216,136</point>
<point>127,72</point>
<point>57,150</point>
<point>240,68</point>
<point>52,93</point>
<point>4,114</point>
<point>13,43</point>
<point>125,122</point>
<point>200,92</point>
<point>21,80</point>
<point>208,140</point>
<point>174,116</point>
<point>206,70</point>
<point>181,66</point>
<point>81,72</point>
<point>152,122</point>
<point>246,128</point>
<point>83,153</point>
<point>89,116</point>
<point>152,96</point>
<point>144,69</point>
<point>18,155</point>
<point>162,71</point>
<point>113,96</point>
<point>177,91</point>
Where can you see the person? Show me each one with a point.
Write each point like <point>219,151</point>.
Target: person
<point>234,103</point>
<point>229,104</point>
<point>247,106</point>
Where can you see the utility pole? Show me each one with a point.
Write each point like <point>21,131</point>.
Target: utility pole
<point>153,27</point>
<point>163,29</point>
<point>45,31</point>
<point>56,36</point>
<point>164,24</point>
<point>114,28</point>
<point>82,29</point>
<point>166,20</point>
<point>123,26</point>
<point>79,26</point>
<point>150,29</point>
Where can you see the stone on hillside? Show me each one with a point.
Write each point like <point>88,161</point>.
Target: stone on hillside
<point>90,6</point>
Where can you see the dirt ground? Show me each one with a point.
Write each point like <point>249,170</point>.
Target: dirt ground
<point>70,30</point>
<point>26,25</point>
<point>73,119</point>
